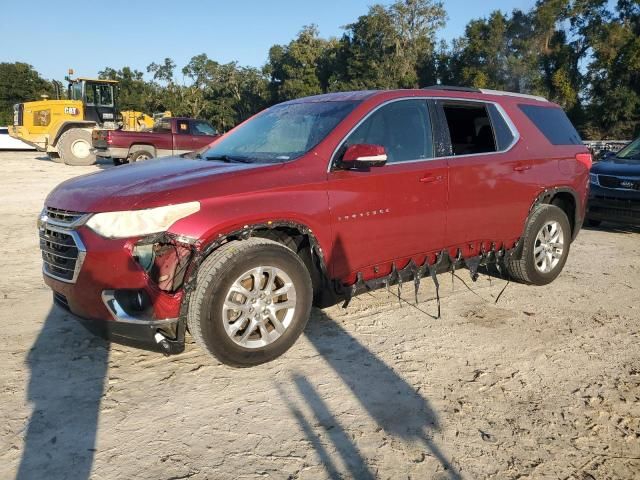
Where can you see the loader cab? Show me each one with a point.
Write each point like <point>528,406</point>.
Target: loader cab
<point>97,97</point>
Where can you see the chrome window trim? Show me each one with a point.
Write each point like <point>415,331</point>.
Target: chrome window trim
<point>501,111</point>
<point>82,253</point>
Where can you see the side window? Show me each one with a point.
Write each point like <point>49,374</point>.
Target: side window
<point>106,95</point>
<point>402,127</point>
<point>553,123</point>
<point>183,127</point>
<point>504,135</point>
<point>202,128</point>
<point>162,126</point>
<point>470,128</point>
<point>90,94</point>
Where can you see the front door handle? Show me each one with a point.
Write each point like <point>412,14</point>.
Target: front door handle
<point>522,168</point>
<point>431,178</point>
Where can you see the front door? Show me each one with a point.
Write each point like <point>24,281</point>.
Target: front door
<point>393,213</point>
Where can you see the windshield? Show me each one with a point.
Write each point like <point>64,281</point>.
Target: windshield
<point>631,151</point>
<point>280,133</point>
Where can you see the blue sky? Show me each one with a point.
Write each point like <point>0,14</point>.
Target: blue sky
<point>95,34</point>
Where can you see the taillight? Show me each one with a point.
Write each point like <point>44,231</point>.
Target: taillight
<point>585,159</point>
<point>109,138</point>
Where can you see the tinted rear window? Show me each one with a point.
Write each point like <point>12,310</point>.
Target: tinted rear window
<point>553,123</point>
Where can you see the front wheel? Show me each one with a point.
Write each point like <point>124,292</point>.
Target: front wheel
<point>545,247</point>
<point>74,147</point>
<point>251,303</point>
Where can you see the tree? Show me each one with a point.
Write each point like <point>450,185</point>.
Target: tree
<point>19,83</point>
<point>294,68</point>
<point>225,93</point>
<point>614,73</point>
<point>134,93</point>
<point>392,47</point>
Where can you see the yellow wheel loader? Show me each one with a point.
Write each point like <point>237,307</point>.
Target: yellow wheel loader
<point>62,127</point>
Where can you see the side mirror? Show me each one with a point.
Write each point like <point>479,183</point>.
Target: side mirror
<point>364,155</point>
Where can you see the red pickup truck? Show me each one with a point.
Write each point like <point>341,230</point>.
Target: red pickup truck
<point>170,136</point>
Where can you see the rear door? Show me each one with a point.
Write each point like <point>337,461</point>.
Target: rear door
<point>391,213</point>
<point>491,185</point>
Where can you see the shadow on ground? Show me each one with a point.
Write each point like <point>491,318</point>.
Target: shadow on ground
<point>68,367</point>
<point>614,228</point>
<point>101,163</point>
<point>394,405</point>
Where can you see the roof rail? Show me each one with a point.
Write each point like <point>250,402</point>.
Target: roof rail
<point>485,91</point>
<point>453,88</point>
<point>512,94</point>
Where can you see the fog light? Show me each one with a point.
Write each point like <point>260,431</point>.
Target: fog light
<point>133,301</point>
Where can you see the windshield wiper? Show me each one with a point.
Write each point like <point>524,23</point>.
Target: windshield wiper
<point>191,155</point>
<point>229,159</point>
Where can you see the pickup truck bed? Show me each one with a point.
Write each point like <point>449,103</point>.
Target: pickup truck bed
<point>170,136</point>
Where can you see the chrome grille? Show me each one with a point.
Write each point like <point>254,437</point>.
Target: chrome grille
<point>61,217</point>
<point>62,252</point>
<point>619,183</point>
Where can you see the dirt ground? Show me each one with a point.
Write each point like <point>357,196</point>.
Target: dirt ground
<point>545,384</point>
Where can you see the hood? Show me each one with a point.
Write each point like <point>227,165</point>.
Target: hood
<point>139,185</point>
<point>618,167</point>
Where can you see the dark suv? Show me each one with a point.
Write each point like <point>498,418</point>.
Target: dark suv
<point>313,201</point>
<point>615,187</point>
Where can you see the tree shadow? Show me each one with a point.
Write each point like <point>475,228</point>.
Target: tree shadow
<point>390,401</point>
<point>68,367</point>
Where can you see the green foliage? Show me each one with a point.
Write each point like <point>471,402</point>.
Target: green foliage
<point>581,54</point>
<point>19,82</point>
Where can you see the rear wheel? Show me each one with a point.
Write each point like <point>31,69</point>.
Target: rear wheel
<point>545,247</point>
<point>251,303</point>
<point>140,155</point>
<point>75,146</point>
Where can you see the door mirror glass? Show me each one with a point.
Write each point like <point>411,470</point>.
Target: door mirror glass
<point>364,155</point>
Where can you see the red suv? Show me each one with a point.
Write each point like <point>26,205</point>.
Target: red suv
<point>312,201</point>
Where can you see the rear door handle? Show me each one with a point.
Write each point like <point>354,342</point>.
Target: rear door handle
<point>431,178</point>
<point>522,168</point>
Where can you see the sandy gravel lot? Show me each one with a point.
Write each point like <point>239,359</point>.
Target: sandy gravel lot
<point>545,384</point>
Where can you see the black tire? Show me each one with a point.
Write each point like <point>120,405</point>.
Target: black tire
<point>593,223</point>
<point>215,277</point>
<point>140,155</point>
<point>66,147</point>
<point>119,161</point>
<point>524,269</point>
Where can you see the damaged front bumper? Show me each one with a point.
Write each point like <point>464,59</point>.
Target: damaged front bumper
<point>127,289</point>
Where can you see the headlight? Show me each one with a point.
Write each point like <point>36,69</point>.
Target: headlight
<point>135,223</point>
<point>593,178</point>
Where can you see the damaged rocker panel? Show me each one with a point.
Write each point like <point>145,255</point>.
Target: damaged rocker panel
<point>415,273</point>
